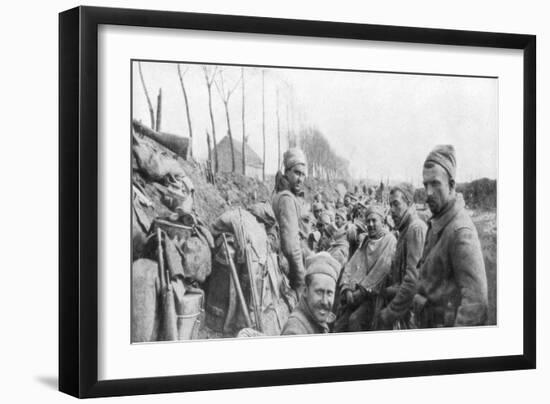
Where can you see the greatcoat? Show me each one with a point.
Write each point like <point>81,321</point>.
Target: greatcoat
<point>452,280</point>
<point>404,272</point>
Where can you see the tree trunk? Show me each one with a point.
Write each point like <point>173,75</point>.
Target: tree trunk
<point>151,113</point>
<point>213,128</point>
<point>159,110</point>
<point>188,114</point>
<point>244,130</point>
<point>209,147</point>
<point>230,137</point>
<point>263,122</point>
<point>278,134</point>
<point>288,127</point>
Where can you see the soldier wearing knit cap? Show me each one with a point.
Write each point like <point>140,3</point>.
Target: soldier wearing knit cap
<point>452,286</point>
<point>317,209</point>
<point>404,270</point>
<point>313,313</point>
<point>364,277</point>
<point>293,215</point>
<point>340,217</point>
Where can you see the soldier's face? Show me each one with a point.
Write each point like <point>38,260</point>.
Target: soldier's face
<point>374,224</point>
<point>438,187</point>
<point>320,296</point>
<point>346,201</point>
<point>296,177</point>
<point>338,221</point>
<point>398,207</point>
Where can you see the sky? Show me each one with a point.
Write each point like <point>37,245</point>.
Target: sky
<point>383,123</point>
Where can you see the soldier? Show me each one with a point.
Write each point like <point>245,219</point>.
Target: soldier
<point>339,245</point>
<point>349,204</point>
<point>452,284</point>
<point>326,230</point>
<point>340,218</point>
<point>365,275</point>
<point>317,209</point>
<point>293,216</point>
<point>313,312</point>
<point>404,274</point>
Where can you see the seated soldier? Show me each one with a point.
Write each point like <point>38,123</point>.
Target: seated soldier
<point>313,313</point>
<point>365,275</point>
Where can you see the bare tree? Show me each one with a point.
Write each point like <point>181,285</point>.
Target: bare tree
<point>278,133</point>
<point>244,131</point>
<point>225,93</point>
<point>187,113</point>
<point>263,122</point>
<point>289,140</point>
<point>149,104</point>
<point>159,110</point>
<point>323,162</point>
<point>209,76</point>
<point>209,175</point>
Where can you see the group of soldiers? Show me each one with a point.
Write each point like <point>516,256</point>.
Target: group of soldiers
<point>354,267</point>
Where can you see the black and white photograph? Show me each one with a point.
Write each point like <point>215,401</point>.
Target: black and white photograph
<point>276,201</point>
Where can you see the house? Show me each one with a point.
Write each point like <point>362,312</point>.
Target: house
<point>253,161</point>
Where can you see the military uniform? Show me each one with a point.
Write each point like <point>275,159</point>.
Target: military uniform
<point>404,272</point>
<point>301,322</point>
<point>453,283</point>
<point>293,216</point>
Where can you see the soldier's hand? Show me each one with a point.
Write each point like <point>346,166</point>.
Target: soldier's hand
<point>359,295</point>
<point>419,302</point>
<point>349,297</point>
<point>384,318</point>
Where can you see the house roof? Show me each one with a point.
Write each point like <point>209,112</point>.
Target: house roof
<point>252,159</point>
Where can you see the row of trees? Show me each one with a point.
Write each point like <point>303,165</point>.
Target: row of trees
<point>218,79</point>
<point>323,162</point>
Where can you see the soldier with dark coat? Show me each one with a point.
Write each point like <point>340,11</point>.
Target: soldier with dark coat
<point>313,312</point>
<point>292,215</point>
<point>404,272</point>
<point>452,280</point>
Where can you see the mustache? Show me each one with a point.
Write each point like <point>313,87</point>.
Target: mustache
<point>323,306</point>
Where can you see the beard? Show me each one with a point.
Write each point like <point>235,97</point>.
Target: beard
<point>433,205</point>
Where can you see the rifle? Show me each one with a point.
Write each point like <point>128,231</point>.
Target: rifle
<point>236,282</point>
<point>252,280</point>
<point>168,316</point>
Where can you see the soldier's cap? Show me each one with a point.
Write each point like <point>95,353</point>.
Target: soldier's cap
<point>325,218</point>
<point>342,213</point>
<point>317,206</point>
<point>444,156</point>
<point>406,189</point>
<point>323,263</point>
<point>293,157</point>
<point>374,209</point>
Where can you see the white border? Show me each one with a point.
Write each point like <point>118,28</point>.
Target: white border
<point>119,359</point>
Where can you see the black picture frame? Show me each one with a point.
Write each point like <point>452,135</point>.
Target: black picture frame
<point>78,200</point>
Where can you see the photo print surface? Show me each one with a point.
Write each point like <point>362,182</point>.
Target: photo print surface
<point>273,201</point>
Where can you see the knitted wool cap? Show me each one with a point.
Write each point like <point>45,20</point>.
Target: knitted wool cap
<point>323,263</point>
<point>342,213</point>
<point>406,189</point>
<point>444,156</point>
<point>376,209</point>
<point>292,157</point>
